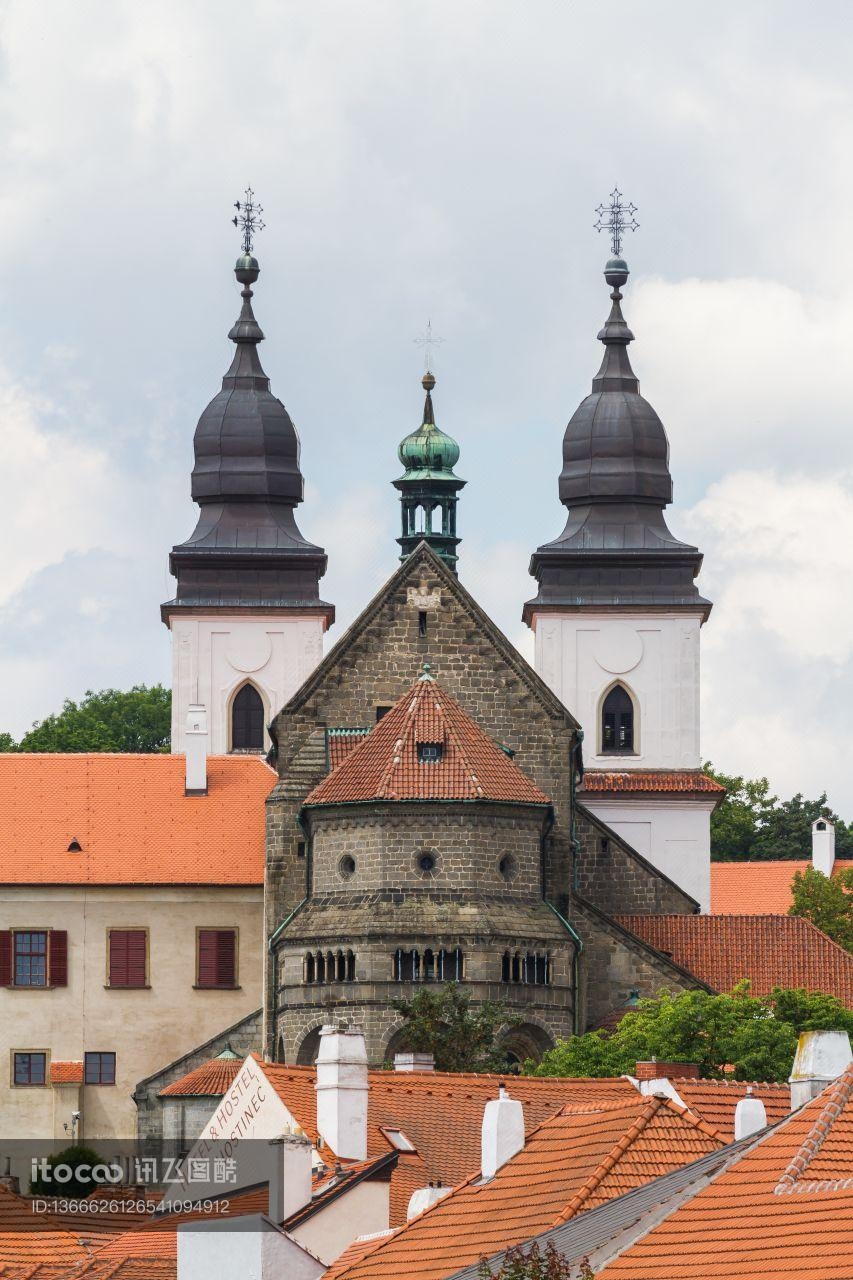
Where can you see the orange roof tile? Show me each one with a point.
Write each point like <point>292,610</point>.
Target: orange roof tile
<point>385,765</point>
<point>28,1239</point>
<point>210,1080</point>
<point>340,742</point>
<point>132,820</point>
<point>715,1100</point>
<point>757,888</point>
<point>785,1208</point>
<point>574,1161</point>
<point>772,951</point>
<point>691,781</point>
<point>66,1072</point>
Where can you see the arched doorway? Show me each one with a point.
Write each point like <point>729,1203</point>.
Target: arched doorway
<point>247,720</point>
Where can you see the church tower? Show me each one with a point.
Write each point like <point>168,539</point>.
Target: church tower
<point>247,620</point>
<point>429,490</point>
<point>617,617</point>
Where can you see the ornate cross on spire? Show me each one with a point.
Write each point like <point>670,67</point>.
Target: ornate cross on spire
<point>616,218</point>
<point>249,218</point>
<point>428,340</point>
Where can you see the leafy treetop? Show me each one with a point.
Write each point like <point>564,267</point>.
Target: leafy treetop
<point>534,1263</point>
<point>751,824</point>
<point>751,1037</point>
<point>828,903</point>
<point>460,1036</point>
<point>136,720</point>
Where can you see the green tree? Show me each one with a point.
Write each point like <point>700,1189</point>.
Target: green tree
<point>534,1263</point>
<point>786,829</point>
<point>136,720</point>
<point>752,824</point>
<point>460,1035</point>
<point>828,903</point>
<point>754,1036</point>
<point>44,1184</point>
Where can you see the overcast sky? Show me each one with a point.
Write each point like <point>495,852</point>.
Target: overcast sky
<point>436,159</point>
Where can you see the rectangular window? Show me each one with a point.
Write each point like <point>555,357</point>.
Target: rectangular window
<point>422,622</point>
<point>430,752</point>
<point>216,958</point>
<point>31,959</point>
<point>128,955</point>
<point>99,1068</point>
<point>29,1068</point>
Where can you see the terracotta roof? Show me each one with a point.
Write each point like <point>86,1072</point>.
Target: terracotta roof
<point>340,742</point>
<point>573,1162</point>
<point>715,1100</point>
<point>692,781</point>
<point>785,1208</point>
<point>28,1239</point>
<point>757,888</point>
<point>772,951</point>
<point>385,765</point>
<point>132,820</point>
<point>66,1072</point>
<point>210,1080</point>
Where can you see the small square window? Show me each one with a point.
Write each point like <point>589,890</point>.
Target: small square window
<point>99,1068</point>
<point>30,1069</point>
<point>31,959</point>
<point>430,752</point>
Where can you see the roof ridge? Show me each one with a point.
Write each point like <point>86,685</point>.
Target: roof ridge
<point>411,712</point>
<point>612,1158</point>
<point>839,1095</point>
<point>467,767</point>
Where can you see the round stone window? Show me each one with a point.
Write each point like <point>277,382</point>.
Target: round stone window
<point>426,863</point>
<point>507,867</point>
<point>346,867</point>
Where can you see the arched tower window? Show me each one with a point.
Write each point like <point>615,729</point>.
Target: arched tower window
<point>617,722</point>
<point>247,720</point>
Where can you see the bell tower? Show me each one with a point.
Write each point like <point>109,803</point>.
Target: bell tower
<point>617,614</point>
<point>247,620</point>
<point>429,489</point>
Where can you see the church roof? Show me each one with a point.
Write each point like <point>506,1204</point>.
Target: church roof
<point>682,781</point>
<point>757,888</point>
<point>771,951</point>
<point>104,818</point>
<point>427,747</point>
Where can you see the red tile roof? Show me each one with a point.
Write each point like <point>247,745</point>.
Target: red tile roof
<point>385,765</point>
<point>783,1209</point>
<point>772,951</point>
<point>757,888</point>
<point>575,1161</point>
<point>132,820</point>
<point>210,1080</point>
<point>28,1239</point>
<point>340,742</point>
<point>690,781</point>
<point>715,1100</point>
<point>66,1072</point>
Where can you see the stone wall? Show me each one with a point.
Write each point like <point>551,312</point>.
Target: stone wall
<point>610,873</point>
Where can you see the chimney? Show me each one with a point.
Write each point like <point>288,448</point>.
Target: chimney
<point>291,1184</point>
<point>823,846</point>
<point>821,1057</point>
<point>342,1088</point>
<point>196,743</point>
<point>424,1198</point>
<point>502,1133</point>
<point>414,1062</point>
<point>654,1070</point>
<point>750,1115</point>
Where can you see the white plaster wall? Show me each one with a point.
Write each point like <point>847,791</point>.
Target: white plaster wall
<point>213,655</point>
<point>215,1250</point>
<point>674,835</point>
<point>655,655</point>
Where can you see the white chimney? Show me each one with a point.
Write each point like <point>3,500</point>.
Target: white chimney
<point>342,1088</point>
<point>823,846</point>
<point>414,1062</point>
<point>750,1116</point>
<point>425,1198</point>
<point>196,744</point>
<point>503,1132</point>
<point>291,1176</point>
<point>821,1057</point>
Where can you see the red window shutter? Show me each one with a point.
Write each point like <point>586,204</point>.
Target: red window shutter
<point>127,957</point>
<point>217,957</point>
<point>5,958</point>
<point>118,958</point>
<point>58,957</point>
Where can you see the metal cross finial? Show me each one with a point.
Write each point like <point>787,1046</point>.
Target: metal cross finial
<point>427,340</point>
<point>249,218</point>
<point>616,218</point>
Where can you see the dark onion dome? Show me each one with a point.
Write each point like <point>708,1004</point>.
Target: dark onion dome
<point>429,451</point>
<point>246,548</point>
<point>616,548</point>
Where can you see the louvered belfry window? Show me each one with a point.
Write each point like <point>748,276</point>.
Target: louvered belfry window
<point>217,958</point>
<point>617,727</point>
<point>247,720</point>
<point>127,952</point>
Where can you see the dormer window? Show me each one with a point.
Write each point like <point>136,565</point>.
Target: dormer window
<point>617,722</point>
<point>430,752</point>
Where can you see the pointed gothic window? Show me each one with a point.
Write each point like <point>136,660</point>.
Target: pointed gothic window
<point>247,720</point>
<point>617,722</point>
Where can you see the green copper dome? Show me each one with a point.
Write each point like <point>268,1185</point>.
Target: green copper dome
<point>428,453</point>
